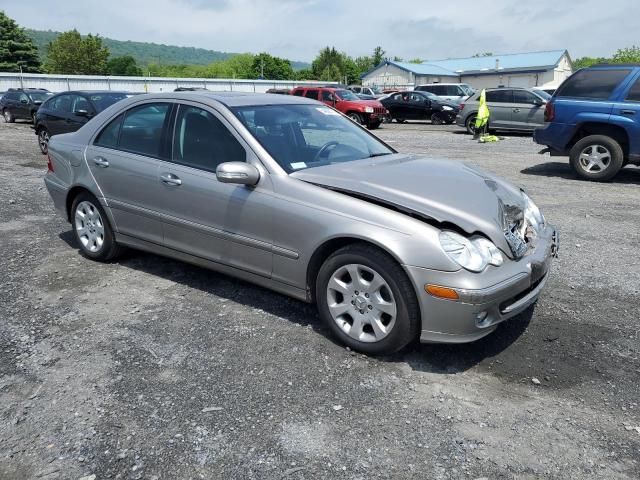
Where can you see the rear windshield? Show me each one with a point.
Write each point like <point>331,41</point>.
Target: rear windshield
<point>594,84</point>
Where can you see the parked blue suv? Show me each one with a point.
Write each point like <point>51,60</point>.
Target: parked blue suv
<point>594,118</point>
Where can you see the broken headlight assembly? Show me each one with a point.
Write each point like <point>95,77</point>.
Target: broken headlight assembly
<point>471,254</point>
<point>532,214</point>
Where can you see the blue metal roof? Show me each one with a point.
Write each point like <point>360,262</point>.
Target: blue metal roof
<point>454,67</point>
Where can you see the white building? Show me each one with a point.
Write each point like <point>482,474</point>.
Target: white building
<point>535,69</point>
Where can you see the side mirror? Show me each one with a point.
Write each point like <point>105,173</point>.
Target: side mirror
<point>237,172</point>
<point>37,102</point>
<point>24,101</point>
<point>81,113</point>
<point>538,102</point>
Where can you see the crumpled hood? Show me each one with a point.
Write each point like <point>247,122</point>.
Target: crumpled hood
<point>443,190</point>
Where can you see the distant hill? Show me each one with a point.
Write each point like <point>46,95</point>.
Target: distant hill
<point>146,53</point>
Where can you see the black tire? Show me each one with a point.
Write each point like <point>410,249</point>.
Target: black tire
<point>109,249</point>
<point>8,116</point>
<point>599,144</point>
<point>470,124</point>
<point>436,119</point>
<point>400,120</point>
<point>373,125</point>
<point>407,321</point>
<point>43,140</point>
<point>355,117</point>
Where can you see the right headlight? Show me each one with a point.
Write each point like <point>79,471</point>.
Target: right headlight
<point>471,254</point>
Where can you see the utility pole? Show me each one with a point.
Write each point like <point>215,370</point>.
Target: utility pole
<point>262,68</point>
<point>21,79</point>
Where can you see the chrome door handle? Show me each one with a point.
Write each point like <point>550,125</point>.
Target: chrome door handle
<point>101,162</point>
<point>628,112</point>
<point>516,110</point>
<point>170,179</point>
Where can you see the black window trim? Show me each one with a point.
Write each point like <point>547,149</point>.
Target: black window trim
<point>622,83</point>
<point>635,80</point>
<point>172,106</point>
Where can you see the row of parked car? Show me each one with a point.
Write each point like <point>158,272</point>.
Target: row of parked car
<point>593,118</point>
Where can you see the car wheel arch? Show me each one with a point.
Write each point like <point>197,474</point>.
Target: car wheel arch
<point>328,247</point>
<point>617,133</point>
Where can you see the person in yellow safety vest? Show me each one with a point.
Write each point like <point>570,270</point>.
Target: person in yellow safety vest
<point>482,119</point>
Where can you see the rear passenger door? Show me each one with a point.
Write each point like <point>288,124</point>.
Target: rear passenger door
<point>223,222</point>
<point>124,159</point>
<point>500,103</point>
<point>59,109</point>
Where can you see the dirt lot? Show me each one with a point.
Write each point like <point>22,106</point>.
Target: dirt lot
<point>150,368</point>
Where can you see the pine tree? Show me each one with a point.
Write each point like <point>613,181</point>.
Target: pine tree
<point>16,48</point>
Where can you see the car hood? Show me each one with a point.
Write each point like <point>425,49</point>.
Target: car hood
<point>438,190</point>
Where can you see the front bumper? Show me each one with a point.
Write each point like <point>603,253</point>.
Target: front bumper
<point>487,298</point>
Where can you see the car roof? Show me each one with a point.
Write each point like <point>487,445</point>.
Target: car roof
<point>230,99</point>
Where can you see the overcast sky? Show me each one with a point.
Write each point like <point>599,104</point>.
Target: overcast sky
<point>297,29</point>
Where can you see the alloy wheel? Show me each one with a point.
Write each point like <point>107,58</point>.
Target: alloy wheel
<point>361,303</point>
<point>595,158</point>
<point>89,226</point>
<point>43,140</point>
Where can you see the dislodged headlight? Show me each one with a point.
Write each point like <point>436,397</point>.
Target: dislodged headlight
<point>368,109</point>
<point>472,254</point>
<point>532,214</point>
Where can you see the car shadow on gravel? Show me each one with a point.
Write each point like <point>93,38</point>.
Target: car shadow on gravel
<point>628,175</point>
<point>457,358</point>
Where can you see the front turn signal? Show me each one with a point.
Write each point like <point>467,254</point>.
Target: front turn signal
<point>441,292</point>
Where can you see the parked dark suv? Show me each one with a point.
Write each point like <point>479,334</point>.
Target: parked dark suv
<point>67,112</point>
<point>22,103</point>
<point>594,118</point>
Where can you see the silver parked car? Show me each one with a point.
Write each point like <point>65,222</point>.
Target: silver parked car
<point>520,109</point>
<point>290,194</point>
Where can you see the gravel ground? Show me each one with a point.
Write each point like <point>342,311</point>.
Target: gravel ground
<point>150,368</point>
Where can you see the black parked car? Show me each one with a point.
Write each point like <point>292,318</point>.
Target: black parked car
<point>404,106</point>
<point>22,103</point>
<point>67,112</point>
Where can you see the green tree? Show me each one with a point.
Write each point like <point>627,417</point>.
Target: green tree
<point>378,56</point>
<point>16,48</point>
<point>327,58</point>
<point>627,55</point>
<point>585,62</point>
<point>304,74</point>
<point>416,60</point>
<point>124,66</point>
<point>72,54</point>
<point>331,74</point>
<point>272,68</point>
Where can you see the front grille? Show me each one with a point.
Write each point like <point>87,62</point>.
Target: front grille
<point>380,110</point>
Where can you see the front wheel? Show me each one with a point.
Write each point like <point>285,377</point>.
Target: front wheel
<point>367,300</point>
<point>470,124</point>
<point>373,125</point>
<point>400,120</point>
<point>355,117</point>
<point>8,116</point>
<point>597,158</point>
<point>92,229</point>
<point>436,119</point>
<point>43,140</point>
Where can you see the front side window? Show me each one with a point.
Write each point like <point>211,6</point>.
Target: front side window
<point>202,141</point>
<point>307,136</point>
<point>39,96</point>
<point>592,84</point>
<point>522,96</point>
<point>346,95</point>
<point>23,98</point>
<point>61,103</point>
<point>80,103</point>
<point>327,96</point>
<point>634,92</point>
<point>142,128</point>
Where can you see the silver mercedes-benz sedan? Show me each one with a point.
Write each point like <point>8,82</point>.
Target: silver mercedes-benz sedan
<point>290,194</point>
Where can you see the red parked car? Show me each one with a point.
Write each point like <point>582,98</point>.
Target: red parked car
<point>366,112</point>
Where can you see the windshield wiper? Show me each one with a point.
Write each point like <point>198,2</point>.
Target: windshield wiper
<point>380,154</point>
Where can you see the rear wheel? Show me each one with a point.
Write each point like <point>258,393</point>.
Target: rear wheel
<point>597,157</point>
<point>8,116</point>
<point>43,140</point>
<point>470,124</point>
<point>367,300</point>
<point>355,117</point>
<point>92,229</point>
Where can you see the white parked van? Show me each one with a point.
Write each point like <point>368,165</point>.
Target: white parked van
<point>453,92</point>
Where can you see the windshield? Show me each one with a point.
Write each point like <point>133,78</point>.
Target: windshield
<point>376,90</point>
<point>104,100</point>
<point>307,136</point>
<point>543,94</point>
<point>467,89</point>
<point>346,95</point>
<point>39,96</point>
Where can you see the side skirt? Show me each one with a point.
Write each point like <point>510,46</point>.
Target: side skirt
<point>289,290</point>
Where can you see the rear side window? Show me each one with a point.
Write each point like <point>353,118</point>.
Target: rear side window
<point>634,93</point>
<point>594,84</point>
<point>299,93</point>
<point>61,103</point>
<point>202,141</point>
<point>500,96</point>
<point>108,137</point>
<point>311,94</point>
<point>141,130</point>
